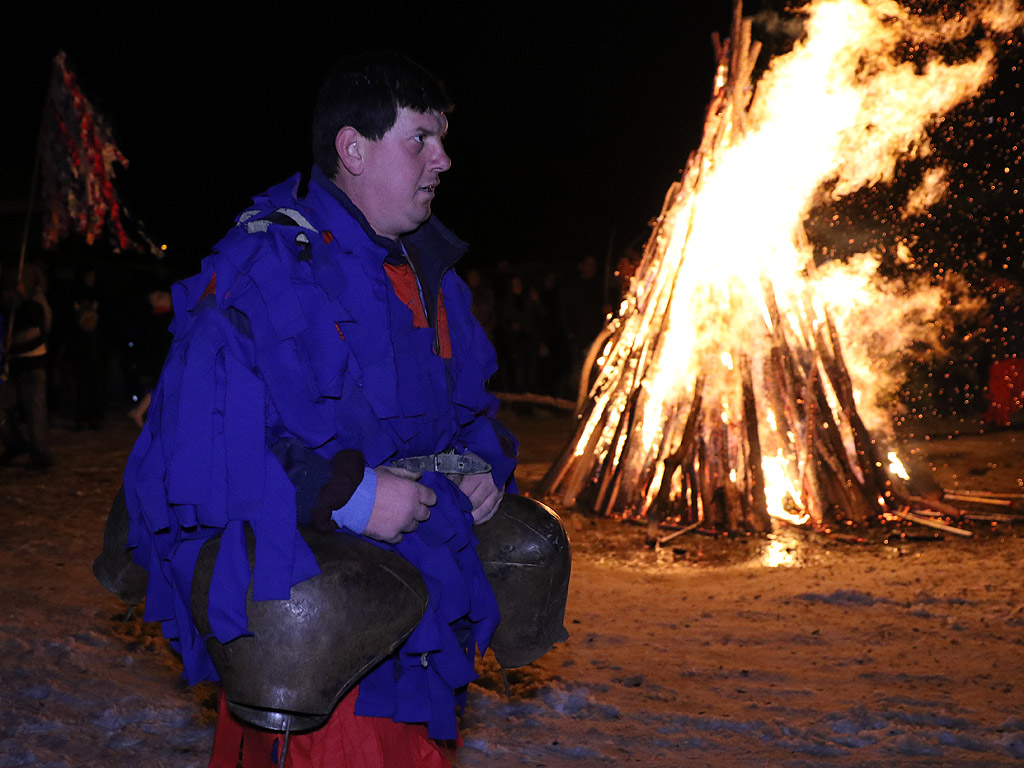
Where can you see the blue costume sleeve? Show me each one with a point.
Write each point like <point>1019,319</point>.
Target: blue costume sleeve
<point>308,471</point>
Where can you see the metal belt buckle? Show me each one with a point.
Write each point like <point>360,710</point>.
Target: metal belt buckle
<point>449,462</point>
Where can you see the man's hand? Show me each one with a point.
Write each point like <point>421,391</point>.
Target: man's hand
<point>400,505</point>
<point>483,494</point>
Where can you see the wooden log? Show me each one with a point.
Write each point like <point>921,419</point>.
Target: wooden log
<point>694,492</point>
<point>736,37</point>
<point>792,378</point>
<point>625,427</point>
<point>626,379</point>
<point>758,520</point>
<point>804,313</point>
<point>612,469</point>
<point>864,453</point>
<point>676,534</point>
<point>549,484</point>
<point>969,494</point>
<point>682,454</point>
<point>782,403</point>
<point>813,480</point>
<point>920,520</point>
<point>735,503</point>
<point>704,485</point>
<point>832,448</point>
<point>789,382</point>
<point>716,43</point>
<point>740,74</point>
<point>839,485</point>
<point>715,476</point>
<point>579,467</point>
<point>867,450</point>
<point>609,473</point>
<point>811,492</point>
<point>739,69</point>
<point>614,496</point>
<point>556,474</point>
<point>993,517</point>
<point>990,500</point>
<point>938,506</point>
<point>733,478</point>
<point>837,449</point>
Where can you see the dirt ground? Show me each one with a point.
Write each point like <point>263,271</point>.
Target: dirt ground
<point>793,650</point>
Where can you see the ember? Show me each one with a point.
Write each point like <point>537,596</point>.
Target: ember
<point>738,385</point>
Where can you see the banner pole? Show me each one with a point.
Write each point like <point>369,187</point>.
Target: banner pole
<point>30,204</point>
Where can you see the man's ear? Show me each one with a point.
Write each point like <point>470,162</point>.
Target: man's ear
<point>349,146</point>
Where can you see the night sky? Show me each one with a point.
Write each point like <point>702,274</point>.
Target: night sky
<point>569,125</point>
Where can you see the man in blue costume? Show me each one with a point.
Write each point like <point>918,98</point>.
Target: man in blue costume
<point>326,337</point>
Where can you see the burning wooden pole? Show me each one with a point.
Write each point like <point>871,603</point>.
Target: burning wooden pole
<point>723,398</point>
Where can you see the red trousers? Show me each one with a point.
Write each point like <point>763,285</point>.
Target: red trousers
<point>347,740</point>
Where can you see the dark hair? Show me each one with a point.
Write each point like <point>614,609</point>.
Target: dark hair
<point>365,91</point>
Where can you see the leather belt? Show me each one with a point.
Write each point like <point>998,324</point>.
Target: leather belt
<point>449,462</point>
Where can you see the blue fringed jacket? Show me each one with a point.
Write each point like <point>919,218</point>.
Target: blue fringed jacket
<point>292,335</point>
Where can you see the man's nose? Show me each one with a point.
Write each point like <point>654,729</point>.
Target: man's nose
<point>441,160</point>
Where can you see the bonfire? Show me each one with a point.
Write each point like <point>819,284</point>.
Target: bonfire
<point>739,383</point>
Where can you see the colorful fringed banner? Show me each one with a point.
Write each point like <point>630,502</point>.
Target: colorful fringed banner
<point>78,159</point>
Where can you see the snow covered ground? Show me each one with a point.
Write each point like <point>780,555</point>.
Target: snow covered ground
<point>907,652</point>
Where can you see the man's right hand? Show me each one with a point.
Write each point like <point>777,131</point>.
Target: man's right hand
<point>400,505</point>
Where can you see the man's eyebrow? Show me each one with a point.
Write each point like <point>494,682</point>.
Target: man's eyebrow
<point>425,130</point>
<point>431,130</point>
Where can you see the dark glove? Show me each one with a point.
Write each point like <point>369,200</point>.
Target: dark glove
<point>321,485</point>
<point>345,475</point>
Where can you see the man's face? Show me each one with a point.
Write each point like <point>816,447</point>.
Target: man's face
<point>401,172</point>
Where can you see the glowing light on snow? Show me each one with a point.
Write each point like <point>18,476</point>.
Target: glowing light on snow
<point>777,554</point>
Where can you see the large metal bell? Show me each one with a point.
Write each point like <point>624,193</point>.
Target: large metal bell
<point>525,553</point>
<point>306,652</point>
<point>114,568</point>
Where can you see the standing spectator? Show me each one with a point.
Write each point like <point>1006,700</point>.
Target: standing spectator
<point>518,326</point>
<point>154,341</point>
<point>485,308</point>
<point>584,309</point>
<point>553,366</point>
<point>34,278</point>
<point>85,352</point>
<point>27,365</point>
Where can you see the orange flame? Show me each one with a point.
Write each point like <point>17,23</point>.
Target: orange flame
<point>838,112</point>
